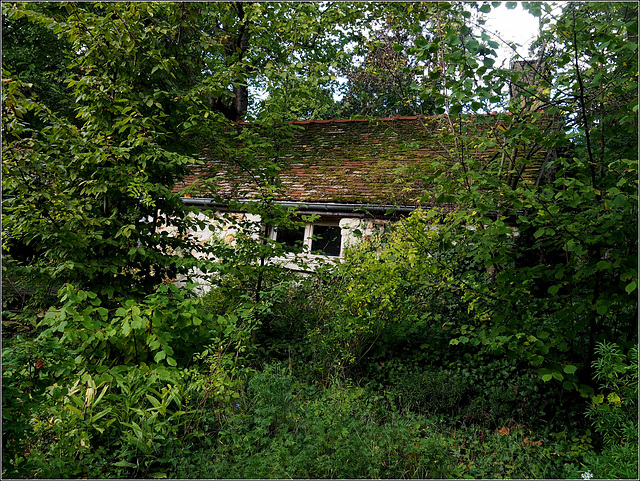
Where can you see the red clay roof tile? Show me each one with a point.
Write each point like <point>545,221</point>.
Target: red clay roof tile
<point>337,161</point>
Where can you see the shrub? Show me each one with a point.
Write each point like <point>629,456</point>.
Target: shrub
<point>99,392</point>
<point>388,299</point>
<point>295,430</point>
<point>28,369</point>
<point>614,413</point>
<point>432,392</point>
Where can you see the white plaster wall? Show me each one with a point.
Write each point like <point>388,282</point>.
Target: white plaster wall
<point>366,228</point>
<point>226,226</point>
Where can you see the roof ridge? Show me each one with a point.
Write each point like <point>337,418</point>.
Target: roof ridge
<point>371,119</point>
<point>363,119</point>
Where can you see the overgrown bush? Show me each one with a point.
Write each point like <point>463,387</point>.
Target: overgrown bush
<point>295,430</point>
<point>286,428</point>
<point>66,418</point>
<point>614,413</point>
<point>433,392</point>
<point>389,300</point>
<point>114,391</point>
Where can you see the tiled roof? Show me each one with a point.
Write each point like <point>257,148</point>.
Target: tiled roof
<point>346,161</point>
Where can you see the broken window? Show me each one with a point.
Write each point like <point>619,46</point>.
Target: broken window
<point>293,238</point>
<point>327,240</point>
<point>320,239</point>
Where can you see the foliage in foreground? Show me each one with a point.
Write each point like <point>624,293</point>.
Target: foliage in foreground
<point>221,412</point>
<point>284,428</point>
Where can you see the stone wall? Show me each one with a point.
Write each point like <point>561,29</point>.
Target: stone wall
<point>226,227</point>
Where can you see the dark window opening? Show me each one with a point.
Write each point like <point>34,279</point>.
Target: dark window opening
<point>326,240</point>
<point>290,237</point>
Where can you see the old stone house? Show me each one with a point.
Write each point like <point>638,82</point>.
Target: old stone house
<point>354,175</point>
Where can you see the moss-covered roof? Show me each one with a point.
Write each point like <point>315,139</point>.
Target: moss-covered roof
<point>349,161</point>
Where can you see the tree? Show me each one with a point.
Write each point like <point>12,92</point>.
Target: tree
<point>93,201</point>
<point>89,199</point>
<point>276,47</point>
<point>385,78</point>
<point>382,85</point>
<point>38,56</point>
<point>550,266</point>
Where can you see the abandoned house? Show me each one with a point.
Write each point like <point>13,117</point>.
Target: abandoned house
<point>353,175</point>
<point>356,175</point>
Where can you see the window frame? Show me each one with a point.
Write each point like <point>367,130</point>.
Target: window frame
<point>308,237</point>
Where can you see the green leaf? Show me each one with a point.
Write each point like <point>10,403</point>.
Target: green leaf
<point>136,322</point>
<point>539,232</point>
<point>547,377</point>
<point>631,287</point>
<point>542,335</point>
<point>570,369</point>
<point>153,400</point>
<point>455,109</point>
<point>534,8</point>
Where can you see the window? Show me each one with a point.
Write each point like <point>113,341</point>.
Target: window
<point>324,238</point>
<point>327,240</point>
<point>290,237</point>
